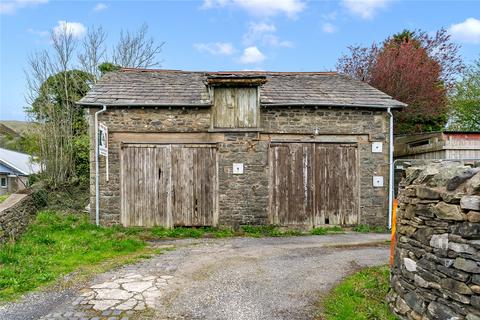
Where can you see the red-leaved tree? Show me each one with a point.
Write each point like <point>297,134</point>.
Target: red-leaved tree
<point>405,71</point>
<point>412,67</point>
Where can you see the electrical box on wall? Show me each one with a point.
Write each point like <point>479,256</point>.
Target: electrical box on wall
<point>377,147</point>
<point>238,168</point>
<point>377,181</point>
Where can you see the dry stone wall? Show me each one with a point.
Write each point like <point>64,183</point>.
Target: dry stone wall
<point>15,215</point>
<point>436,270</point>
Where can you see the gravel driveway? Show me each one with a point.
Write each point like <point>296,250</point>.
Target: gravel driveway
<point>235,278</point>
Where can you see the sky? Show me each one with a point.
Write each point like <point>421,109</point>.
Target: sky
<point>275,35</point>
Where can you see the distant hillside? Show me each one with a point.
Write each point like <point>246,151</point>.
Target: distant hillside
<point>16,125</point>
<point>12,134</point>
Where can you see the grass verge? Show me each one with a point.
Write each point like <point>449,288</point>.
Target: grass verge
<point>55,245</point>
<point>360,296</point>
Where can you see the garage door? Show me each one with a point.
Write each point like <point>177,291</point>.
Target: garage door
<point>168,185</point>
<point>313,184</point>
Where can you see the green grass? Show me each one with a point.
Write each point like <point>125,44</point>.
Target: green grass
<point>368,229</point>
<point>55,245</point>
<point>4,197</point>
<point>360,296</point>
<point>325,230</point>
<point>182,232</point>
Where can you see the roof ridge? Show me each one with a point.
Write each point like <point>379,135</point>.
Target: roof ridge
<point>229,72</point>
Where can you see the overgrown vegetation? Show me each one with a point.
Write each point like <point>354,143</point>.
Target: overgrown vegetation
<point>363,228</point>
<point>361,296</point>
<point>325,230</point>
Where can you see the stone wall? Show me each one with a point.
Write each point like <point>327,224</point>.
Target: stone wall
<point>243,199</point>
<point>16,212</point>
<point>436,270</point>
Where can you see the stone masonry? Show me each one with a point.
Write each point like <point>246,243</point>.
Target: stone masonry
<point>15,214</point>
<point>244,199</point>
<point>436,271</point>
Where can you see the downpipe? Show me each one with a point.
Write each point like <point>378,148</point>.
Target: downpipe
<point>97,173</point>
<point>390,179</point>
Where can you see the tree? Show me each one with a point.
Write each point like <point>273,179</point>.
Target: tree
<point>59,124</point>
<point>56,81</point>
<point>359,62</point>
<point>93,51</point>
<point>412,67</point>
<point>406,72</point>
<point>465,101</point>
<point>135,50</point>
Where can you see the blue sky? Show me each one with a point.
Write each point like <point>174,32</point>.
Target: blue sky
<point>279,35</point>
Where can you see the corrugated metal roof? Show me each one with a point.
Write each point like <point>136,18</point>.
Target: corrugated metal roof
<point>173,87</point>
<point>20,162</point>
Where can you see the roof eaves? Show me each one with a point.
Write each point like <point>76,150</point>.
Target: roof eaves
<point>142,104</point>
<point>333,104</point>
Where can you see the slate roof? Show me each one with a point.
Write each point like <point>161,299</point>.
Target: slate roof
<point>184,88</point>
<point>18,162</point>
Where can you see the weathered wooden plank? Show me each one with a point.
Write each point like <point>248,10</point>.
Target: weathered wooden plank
<point>194,176</point>
<point>224,108</point>
<point>236,107</point>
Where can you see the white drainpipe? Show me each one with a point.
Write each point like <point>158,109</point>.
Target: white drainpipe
<point>390,180</point>
<point>97,173</point>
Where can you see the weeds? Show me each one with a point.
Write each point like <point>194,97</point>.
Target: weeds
<point>367,229</point>
<point>325,230</point>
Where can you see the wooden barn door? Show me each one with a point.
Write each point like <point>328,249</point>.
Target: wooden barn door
<point>336,192</point>
<point>313,184</point>
<point>168,185</point>
<point>292,183</point>
<point>145,186</point>
<point>193,185</point>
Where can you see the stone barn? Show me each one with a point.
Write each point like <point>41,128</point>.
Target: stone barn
<point>297,149</point>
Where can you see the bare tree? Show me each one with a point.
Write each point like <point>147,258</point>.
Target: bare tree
<point>52,106</point>
<point>358,63</point>
<point>136,50</point>
<point>93,51</point>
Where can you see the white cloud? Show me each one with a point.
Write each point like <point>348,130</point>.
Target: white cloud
<point>467,31</point>
<point>100,7</point>
<point>328,27</point>
<point>75,29</point>
<point>252,55</point>
<point>41,33</point>
<point>216,48</point>
<point>263,8</point>
<point>365,9</point>
<point>11,6</point>
<point>264,32</point>
<point>256,31</point>
<point>273,40</point>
